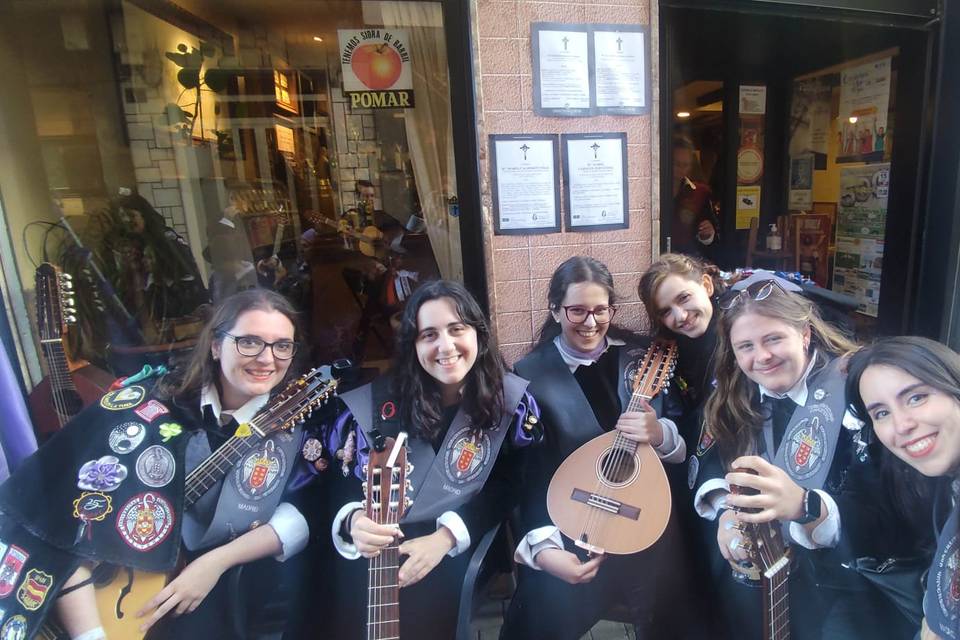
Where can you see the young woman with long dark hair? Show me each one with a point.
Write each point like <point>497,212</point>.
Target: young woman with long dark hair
<point>579,374</point>
<point>907,390</point>
<point>449,390</point>
<point>110,485</point>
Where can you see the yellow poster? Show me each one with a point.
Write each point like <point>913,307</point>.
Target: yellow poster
<point>748,205</point>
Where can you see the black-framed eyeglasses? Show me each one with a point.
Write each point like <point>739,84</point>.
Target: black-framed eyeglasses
<point>759,290</point>
<point>252,346</point>
<point>578,315</point>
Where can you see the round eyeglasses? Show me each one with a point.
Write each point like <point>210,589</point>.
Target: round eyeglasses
<point>252,346</point>
<point>578,315</point>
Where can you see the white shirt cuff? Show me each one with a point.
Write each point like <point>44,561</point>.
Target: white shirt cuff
<point>93,634</point>
<point>826,534</point>
<point>708,506</point>
<point>346,549</point>
<point>292,529</point>
<point>455,525</point>
<point>534,542</point>
<point>673,449</point>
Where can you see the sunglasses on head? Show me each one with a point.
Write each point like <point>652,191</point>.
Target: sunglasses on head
<point>759,290</point>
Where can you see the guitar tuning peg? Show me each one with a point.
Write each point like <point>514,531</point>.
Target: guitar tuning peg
<point>70,319</point>
<point>409,468</point>
<point>363,485</point>
<point>364,469</point>
<point>66,277</point>
<point>407,502</point>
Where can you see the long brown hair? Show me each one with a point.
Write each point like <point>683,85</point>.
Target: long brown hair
<point>732,414</point>
<point>201,369</point>
<point>673,264</point>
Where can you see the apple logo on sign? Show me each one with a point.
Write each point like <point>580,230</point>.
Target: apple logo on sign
<point>378,66</point>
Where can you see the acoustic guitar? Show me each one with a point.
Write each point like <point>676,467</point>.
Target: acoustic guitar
<point>72,384</point>
<point>770,564</point>
<point>385,501</point>
<point>611,495</point>
<point>122,591</point>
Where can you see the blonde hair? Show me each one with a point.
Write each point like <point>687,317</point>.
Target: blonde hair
<point>732,416</point>
<point>673,264</point>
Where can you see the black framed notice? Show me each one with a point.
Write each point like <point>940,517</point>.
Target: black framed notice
<point>561,69</point>
<point>595,181</point>
<point>620,69</point>
<point>525,180</point>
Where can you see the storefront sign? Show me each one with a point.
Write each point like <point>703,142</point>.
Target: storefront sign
<point>285,142</point>
<point>525,180</point>
<point>376,68</point>
<point>595,181</point>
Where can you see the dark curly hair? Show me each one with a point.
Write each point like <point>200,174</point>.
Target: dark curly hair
<point>419,394</point>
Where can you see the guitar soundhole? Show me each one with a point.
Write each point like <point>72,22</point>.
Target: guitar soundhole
<point>617,467</point>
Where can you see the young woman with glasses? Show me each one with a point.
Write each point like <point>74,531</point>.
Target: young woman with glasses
<point>578,372</point>
<point>110,486</point>
<point>907,390</point>
<point>467,420</point>
<point>778,428</point>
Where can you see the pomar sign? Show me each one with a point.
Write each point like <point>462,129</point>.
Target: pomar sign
<point>376,68</point>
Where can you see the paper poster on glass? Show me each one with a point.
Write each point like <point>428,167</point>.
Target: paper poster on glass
<point>561,69</point>
<point>376,67</point>
<point>620,76</point>
<point>753,100</point>
<point>748,205</point>
<point>595,181</point>
<point>810,116</point>
<point>525,181</point>
<point>864,102</point>
<point>801,183</point>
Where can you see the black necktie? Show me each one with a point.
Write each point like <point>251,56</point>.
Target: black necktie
<point>781,411</point>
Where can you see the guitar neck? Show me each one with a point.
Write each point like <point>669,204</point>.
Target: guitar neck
<point>214,468</point>
<point>383,595</point>
<point>56,357</point>
<point>776,603</point>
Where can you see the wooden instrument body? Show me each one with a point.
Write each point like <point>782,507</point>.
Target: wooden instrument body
<point>89,385</point>
<point>634,489</point>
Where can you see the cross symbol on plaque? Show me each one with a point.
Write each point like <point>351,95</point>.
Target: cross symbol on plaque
<point>594,146</point>
<point>619,42</point>
<point>524,148</point>
<point>565,41</point>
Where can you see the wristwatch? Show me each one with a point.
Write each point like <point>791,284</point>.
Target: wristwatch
<point>812,506</point>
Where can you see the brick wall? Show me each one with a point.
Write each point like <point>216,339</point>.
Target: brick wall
<point>519,267</point>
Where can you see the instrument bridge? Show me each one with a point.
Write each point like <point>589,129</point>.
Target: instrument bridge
<point>606,503</point>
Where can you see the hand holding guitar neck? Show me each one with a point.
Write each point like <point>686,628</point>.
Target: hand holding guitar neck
<point>775,496</point>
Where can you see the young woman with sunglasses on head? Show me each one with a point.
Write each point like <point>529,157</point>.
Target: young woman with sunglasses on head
<point>121,465</point>
<point>578,373</point>
<point>777,425</point>
<point>907,390</point>
<point>467,419</point>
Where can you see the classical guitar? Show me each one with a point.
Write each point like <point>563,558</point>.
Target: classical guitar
<point>72,384</point>
<point>385,500</point>
<point>611,495</point>
<point>770,563</point>
<point>122,591</point>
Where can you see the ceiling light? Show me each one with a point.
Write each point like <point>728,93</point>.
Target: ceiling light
<point>317,39</point>
<point>683,114</point>
<point>852,119</point>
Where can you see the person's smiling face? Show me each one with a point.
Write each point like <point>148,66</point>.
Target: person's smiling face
<point>684,305</point>
<point>446,345</point>
<point>770,351</point>
<point>245,377</point>
<point>918,423</point>
<point>583,297</point>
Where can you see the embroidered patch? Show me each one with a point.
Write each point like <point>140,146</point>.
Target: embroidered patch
<point>693,470</point>
<point>258,474</point>
<point>468,454</point>
<point>10,568</point>
<point>156,466</point>
<point>34,589</point>
<point>126,437</point>
<point>706,440</point>
<point>806,448</point>
<point>123,398</point>
<point>92,506</point>
<point>145,521</point>
<point>104,474</point>
<point>948,582</point>
<point>151,410</point>
<point>14,629</point>
<point>388,410</point>
<point>312,450</point>
<point>170,430</point>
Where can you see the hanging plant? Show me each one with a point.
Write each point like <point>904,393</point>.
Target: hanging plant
<point>186,116</point>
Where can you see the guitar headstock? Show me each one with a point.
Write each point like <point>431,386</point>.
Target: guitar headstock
<point>386,486</point>
<point>56,306</point>
<point>763,542</point>
<point>656,368</point>
<point>295,403</point>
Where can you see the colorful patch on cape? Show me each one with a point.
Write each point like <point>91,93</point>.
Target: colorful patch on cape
<point>151,410</point>
<point>92,506</point>
<point>260,472</point>
<point>156,466</point>
<point>388,410</point>
<point>14,629</point>
<point>806,446</point>
<point>122,399</point>
<point>34,589</point>
<point>312,450</point>
<point>145,521</point>
<point>947,585</point>
<point>126,437</point>
<point>169,430</point>
<point>468,454</point>
<point>103,474</point>
<point>706,440</point>
<point>10,568</point>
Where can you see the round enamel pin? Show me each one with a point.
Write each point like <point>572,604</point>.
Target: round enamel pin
<point>14,629</point>
<point>806,448</point>
<point>145,520</point>
<point>388,410</point>
<point>125,398</point>
<point>126,437</point>
<point>156,466</point>
<point>104,474</point>
<point>259,473</point>
<point>312,450</point>
<point>819,394</point>
<point>469,453</point>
